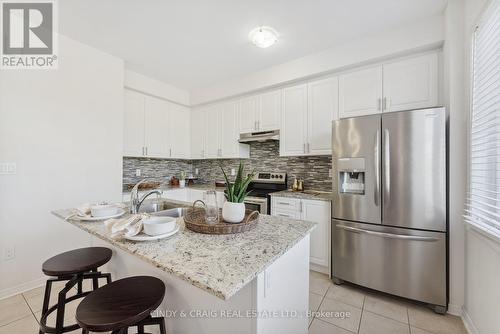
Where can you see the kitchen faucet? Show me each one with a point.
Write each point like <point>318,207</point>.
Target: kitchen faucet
<point>135,202</point>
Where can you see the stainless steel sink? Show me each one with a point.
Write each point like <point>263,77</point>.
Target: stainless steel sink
<point>175,212</point>
<point>154,205</point>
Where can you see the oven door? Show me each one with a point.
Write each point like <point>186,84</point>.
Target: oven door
<point>256,204</point>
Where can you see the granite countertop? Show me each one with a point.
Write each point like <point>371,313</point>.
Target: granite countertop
<point>218,264</point>
<point>308,194</point>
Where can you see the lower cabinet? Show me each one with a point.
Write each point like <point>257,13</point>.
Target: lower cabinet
<point>315,211</point>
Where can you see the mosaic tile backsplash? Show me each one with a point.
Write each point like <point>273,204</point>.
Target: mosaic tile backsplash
<point>264,156</point>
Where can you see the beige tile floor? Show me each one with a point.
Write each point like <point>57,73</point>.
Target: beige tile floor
<point>369,312</point>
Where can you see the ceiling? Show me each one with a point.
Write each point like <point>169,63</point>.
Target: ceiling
<point>194,43</point>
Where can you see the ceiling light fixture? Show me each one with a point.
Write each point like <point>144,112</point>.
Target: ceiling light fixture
<point>263,36</point>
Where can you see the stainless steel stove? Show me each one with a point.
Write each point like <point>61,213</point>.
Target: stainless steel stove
<point>261,186</point>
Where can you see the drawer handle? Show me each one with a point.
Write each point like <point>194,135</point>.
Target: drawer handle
<point>283,215</point>
<point>387,235</point>
<point>284,203</point>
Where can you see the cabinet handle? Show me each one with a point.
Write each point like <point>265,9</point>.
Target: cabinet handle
<point>385,103</point>
<point>379,104</point>
<point>284,203</point>
<point>202,153</point>
<point>255,126</point>
<point>304,147</point>
<point>258,125</point>
<point>308,150</point>
<point>143,151</point>
<point>283,215</point>
<point>170,152</point>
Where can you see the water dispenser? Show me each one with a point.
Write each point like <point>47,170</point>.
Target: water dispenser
<point>351,175</point>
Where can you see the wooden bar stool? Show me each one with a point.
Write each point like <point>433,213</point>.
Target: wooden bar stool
<point>74,267</point>
<point>122,304</point>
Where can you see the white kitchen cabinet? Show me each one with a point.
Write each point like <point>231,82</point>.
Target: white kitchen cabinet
<point>310,210</point>
<point>322,110</point>
<point>133,124</point>
<point>198,129</point>
<point>294,118</point>
<point>261,112</point>
<point>179,122</point>
<point>229,135</point>
<point>318,212</point>
<point>411,83</point>
<point>212,139</point>
<point>156,128</point>
<point>248,114</point>
<point>360,92</point>
<point>269,111</point>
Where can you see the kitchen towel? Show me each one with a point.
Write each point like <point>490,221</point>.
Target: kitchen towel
<point>125,227</point>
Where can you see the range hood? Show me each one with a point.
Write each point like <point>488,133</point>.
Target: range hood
<point>259,136</point>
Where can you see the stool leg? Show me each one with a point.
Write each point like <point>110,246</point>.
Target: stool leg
<point>79,286</point>
<point>140,329</point>
<point>108,278</point>
<point>61,301</point>
<point>95,281</point>
<point>162,326</point>
<point>46,299</point>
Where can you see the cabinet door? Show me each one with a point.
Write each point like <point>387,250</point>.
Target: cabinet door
<point>179,131</point>
<point>322,110</point>
<point>360,92</point>
<point>318,212</point>
<point>133,124</point>
<point>229,130</point>
<point>411,83</point>
<point>269,111</point>
<point>248,114</point>
<point>156,130</point>
<point>198,128</point>
<point>294,118</point>
<point>212,132</point>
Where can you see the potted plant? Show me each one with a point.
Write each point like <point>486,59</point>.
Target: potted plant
<point>233,210</point>
<point>182,179</point>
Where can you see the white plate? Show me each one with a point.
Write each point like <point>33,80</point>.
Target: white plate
<point>120,213</point>
<point>144,237</point>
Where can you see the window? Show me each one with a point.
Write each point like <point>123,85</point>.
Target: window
<point>483,205</point>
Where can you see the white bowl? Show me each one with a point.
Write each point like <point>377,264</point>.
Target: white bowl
<point>103,210</point>
<point>159,225</point>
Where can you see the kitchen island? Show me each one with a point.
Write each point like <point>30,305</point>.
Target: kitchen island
<point>252,282</point>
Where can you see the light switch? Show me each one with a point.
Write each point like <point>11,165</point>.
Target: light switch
<point>196,171</point>
<point>233,172</point>
<point>137,172</point>
<point>8,168</point>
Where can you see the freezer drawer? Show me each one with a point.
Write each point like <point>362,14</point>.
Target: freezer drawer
<point>402,262</point>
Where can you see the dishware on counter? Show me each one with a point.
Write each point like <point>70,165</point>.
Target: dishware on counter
<point>174,181</point>
<point>300,186</point>
<point>78,215</point>
<point>154,226</point>
<point>103,210</point>
<point>145,237</point>
<point>211,207</point>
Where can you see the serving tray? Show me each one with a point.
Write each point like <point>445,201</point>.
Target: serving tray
<point>195,221</point>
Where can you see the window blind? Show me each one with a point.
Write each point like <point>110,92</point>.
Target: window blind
<point>483,200</point>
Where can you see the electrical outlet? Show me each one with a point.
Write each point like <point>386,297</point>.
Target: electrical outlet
<point>137,172</point>
<point>233,171</point>
<point>196,171</point>
<point>9,253</point>
<point>330,173</point>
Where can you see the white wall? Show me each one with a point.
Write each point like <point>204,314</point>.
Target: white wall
<point>421,35</point>
<point>63,128</point>
<point>147,85</point>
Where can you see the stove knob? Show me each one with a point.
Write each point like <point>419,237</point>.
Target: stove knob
<point>272,176</point>
<point>281,176</point>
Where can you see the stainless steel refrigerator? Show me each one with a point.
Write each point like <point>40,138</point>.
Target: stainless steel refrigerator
<point>389,228</point>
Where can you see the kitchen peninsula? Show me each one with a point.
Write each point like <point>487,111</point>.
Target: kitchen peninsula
<point>256,280</point>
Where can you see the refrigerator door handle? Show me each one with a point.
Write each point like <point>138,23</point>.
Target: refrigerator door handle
<point>376,161</point>
<point>387,235</point>
<point>387,168</point>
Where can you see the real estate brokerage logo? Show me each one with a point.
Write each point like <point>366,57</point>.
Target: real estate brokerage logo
<point>28,35</point>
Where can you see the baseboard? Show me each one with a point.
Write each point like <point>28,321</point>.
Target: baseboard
<point>455,310</point>
<point>320,269</point>
<point>5,293</point>
<point>469,325</point>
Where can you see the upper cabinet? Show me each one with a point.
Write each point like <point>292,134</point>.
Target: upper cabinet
<point>155,128</point>
<point>215,133</point>
<point>360,92</point>
<point>401,85</point>
<point>260,113</point>
<point>308,112</point>
<point>411,83</point>
<point>133,124</point>
<point>198,126</point>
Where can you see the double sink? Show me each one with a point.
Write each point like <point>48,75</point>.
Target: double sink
<point>162,208</point>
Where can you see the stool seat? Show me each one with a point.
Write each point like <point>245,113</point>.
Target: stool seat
<point>120,304</point>
<point>76,261</point>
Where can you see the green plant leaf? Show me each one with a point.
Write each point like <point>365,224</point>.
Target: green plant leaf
<point>229,189</point>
